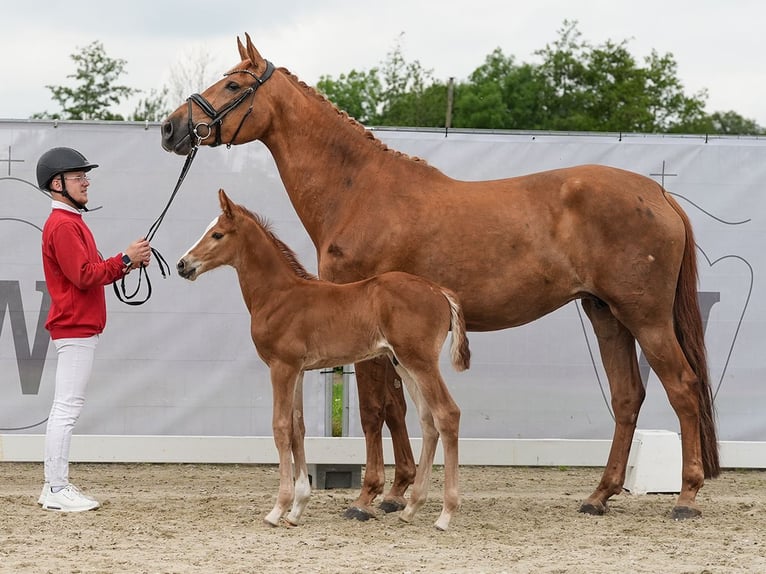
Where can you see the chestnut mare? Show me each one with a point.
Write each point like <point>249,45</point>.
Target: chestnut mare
<point>512,249</point>
<point>300,323</point>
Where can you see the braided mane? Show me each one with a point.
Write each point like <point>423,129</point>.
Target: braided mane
<point>314,93</point>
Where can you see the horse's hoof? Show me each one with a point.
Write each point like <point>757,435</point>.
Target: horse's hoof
<point>356,513</point>
<point>684,513</point>
<point>593,509</point>
<point>389,506</point>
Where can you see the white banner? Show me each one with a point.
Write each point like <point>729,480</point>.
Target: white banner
<point>184,364</point>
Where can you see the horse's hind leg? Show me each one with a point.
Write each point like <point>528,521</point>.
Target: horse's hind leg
<point>430,437</point>
<point>381,398</point>
<point>618,354</point>
<point>668,361</point>
<point>395,414</point>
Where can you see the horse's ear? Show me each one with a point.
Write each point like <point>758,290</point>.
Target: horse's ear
<point>252,54</point>
<point>225,202</point>
<point>242,50</point>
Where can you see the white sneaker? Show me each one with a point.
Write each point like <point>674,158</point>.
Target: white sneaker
<point>69,499</point>
<point>46,490</point>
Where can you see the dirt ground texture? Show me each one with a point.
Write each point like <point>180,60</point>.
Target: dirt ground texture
<point>170,518</point>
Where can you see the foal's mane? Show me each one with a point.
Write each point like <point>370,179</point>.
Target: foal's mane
<point>314,93</point>
<point>288,254</point>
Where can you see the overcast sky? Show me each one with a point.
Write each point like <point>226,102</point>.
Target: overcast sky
<point>718,45</point>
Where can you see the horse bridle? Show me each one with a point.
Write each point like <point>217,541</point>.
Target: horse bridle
<point>216,116</point>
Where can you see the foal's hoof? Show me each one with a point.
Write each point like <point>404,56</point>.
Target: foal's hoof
<point>593,509</point>
<point>356,513</point>
<point>389,506</point>
<point>684,513</point>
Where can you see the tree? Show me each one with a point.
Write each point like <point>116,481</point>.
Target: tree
<point>357,93</point>
<point>152,108</point>
<point>96,90</point>
<point>191,74</point>
<point>603,88</point>
<point>405,100</point>
<point>500,95</point>
<point>574,87</point>
<point>733,123</point>
<point>399,93</point>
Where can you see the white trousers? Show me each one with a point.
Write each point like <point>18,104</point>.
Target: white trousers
<point>73,369</point>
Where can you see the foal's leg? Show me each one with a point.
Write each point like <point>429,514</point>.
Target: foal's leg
<point>439,416</point>
<point>419,492</point>
<point>302,485</point>
<point>283,382</point>
<point>380,399</point>
<point>618,354</point>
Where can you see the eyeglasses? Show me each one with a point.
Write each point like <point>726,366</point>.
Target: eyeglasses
<point>80,178</point>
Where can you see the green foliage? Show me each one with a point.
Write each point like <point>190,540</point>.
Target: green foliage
<point>398,94</point>
<point>357,93</point>
<point>337,406</point>
<point>96,90</point>
<point>153,108</point>
<point>575,87</point>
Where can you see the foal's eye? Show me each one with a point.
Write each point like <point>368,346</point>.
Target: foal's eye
<point>217,235</point>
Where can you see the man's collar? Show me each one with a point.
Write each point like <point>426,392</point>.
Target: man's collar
<point>55,204</point>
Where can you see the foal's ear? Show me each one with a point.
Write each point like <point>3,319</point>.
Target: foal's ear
<point>225,202</point>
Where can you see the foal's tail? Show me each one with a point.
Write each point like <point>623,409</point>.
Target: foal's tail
<point>689,331</point>
<point>459,350</point>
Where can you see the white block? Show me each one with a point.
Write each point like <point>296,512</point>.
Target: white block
<point>655,463</point>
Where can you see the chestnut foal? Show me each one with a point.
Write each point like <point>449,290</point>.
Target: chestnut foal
<point>299,323</point>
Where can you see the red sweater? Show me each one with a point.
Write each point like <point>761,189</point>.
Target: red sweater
<point>75,275</point>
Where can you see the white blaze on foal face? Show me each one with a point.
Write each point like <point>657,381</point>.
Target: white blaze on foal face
<point>189,265</point>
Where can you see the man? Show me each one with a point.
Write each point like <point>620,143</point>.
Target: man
<point>75,275</point>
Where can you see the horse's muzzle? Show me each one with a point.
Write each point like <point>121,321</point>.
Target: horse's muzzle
<point>173,138</point>
<point>186,270</point>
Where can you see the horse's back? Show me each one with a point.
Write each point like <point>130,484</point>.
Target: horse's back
<point>515,249</point>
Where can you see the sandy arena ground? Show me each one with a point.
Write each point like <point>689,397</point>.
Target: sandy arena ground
<point>208,519</point>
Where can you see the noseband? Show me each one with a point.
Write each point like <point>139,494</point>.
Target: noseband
<point>216,116</point>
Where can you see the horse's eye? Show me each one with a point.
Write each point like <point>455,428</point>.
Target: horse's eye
<point>217,235</point>
<point>232,86</point>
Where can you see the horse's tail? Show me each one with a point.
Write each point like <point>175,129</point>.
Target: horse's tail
<point>690,333</point>
<point>459,350</point>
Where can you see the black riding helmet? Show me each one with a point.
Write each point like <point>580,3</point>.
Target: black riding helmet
<point>57,161</point>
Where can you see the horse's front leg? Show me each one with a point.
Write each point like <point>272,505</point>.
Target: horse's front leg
<point>302,485</point>
<point>283,383</point>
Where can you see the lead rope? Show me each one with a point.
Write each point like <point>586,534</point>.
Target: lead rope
<point>126,297</point>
